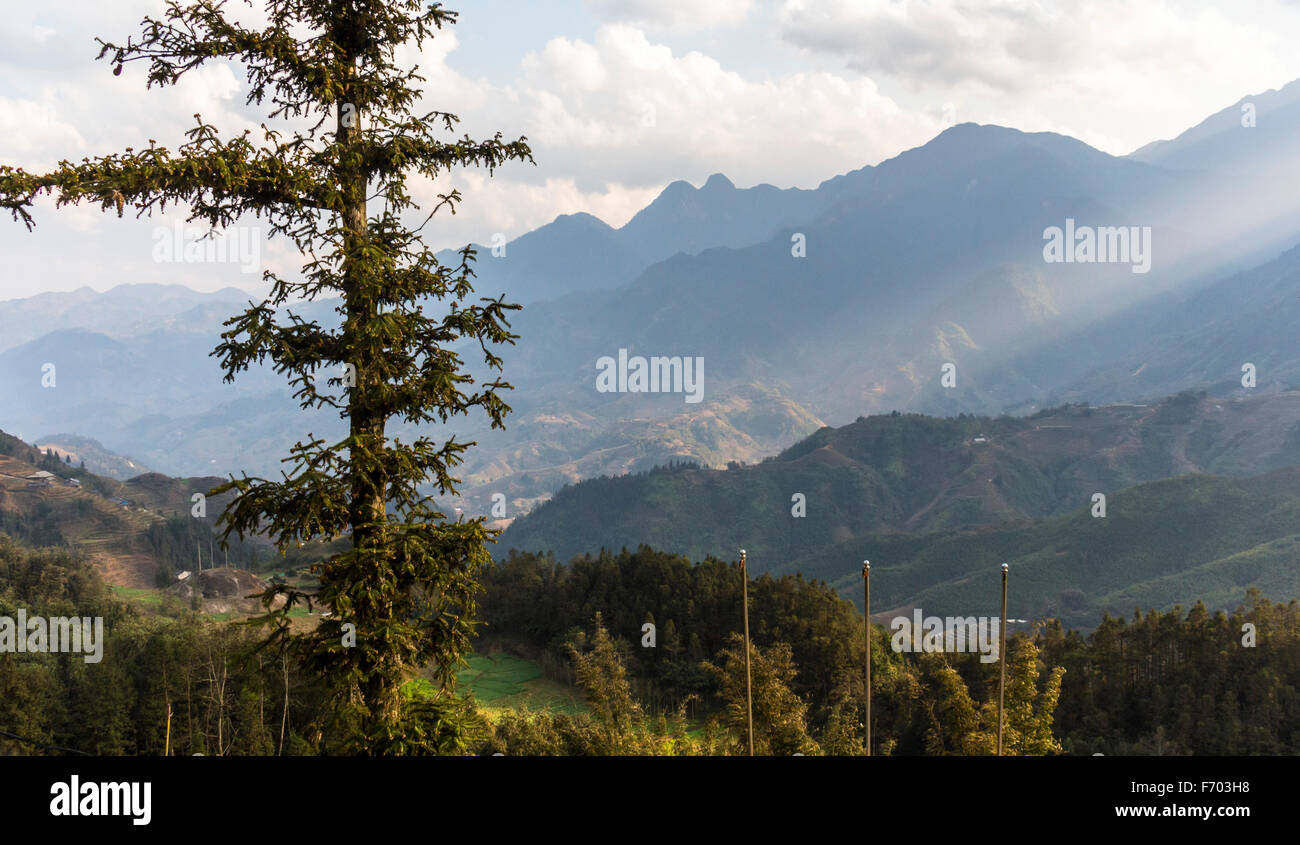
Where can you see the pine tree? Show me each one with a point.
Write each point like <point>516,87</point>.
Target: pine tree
<point>407,581</point>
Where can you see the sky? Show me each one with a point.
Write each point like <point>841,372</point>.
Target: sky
<point>618,98</point>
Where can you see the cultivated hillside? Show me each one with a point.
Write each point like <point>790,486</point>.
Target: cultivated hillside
<point>137,533</point>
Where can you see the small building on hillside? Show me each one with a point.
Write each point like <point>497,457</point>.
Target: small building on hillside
<point>40,479</point>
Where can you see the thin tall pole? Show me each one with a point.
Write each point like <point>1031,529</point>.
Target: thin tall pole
<point>1002,658</point>
<point>749,693</point>
<point>198,549</point>
<point>167,741</point>
<point>866,581</point>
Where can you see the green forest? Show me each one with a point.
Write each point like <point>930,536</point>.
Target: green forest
<point>1179,682</point>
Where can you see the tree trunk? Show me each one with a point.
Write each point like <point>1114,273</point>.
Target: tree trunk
<point>379,690</point>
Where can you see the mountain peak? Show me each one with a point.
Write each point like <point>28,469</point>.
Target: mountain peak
<point>581,220</point>
<point>681,186</point>
<point>971,141</point>
<point>718,182</point>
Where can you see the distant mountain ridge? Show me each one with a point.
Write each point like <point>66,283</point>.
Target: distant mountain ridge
<point>930,260</point>
<point>579,252</point>
<point>92,454</point>
<point>121,311</point>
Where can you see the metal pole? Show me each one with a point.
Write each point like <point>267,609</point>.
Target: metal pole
<point>749,693</point>
<point>866,606</point>
<point>1002,658</point>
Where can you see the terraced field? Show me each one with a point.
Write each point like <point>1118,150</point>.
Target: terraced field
<point>105,530</point>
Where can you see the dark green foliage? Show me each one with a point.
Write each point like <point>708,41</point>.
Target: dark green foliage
<point>808,645</point>
<point>225,699</point>
<point>780,716</point>
<point>1175,683</point>
<point>1182,682</point>
<point>1167,683</point>
<point>696,608</point>
<point>177,542</point>
<point>40,528</point>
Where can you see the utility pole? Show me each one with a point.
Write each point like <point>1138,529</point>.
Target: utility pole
<point>866,606</point>
<point>749,693</point>
<point>1002,658</point>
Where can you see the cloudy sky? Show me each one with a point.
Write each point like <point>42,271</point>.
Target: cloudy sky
<point>621,97</point>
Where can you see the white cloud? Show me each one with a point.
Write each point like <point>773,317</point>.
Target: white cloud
<point>1117,73</point>
<point>616,113</point>
<point>621,116</point>
<point>1015,45</point>
<point>32,131</point>
<point>679,15</point>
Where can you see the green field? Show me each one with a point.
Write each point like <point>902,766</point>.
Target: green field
<point>501,681</point>
<point>138,595</point>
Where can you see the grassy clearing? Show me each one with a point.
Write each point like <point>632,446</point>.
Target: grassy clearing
<point>150,598</point>
<point>500,682</point>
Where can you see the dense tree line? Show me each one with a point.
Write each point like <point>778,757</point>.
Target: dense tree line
<point>224,696</point>
<point>808,657</point>
<point>1165,683</point>
<point>40,527</point>
<point>1183,682</point>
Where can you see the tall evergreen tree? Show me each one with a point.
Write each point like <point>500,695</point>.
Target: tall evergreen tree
<point>407,579</point>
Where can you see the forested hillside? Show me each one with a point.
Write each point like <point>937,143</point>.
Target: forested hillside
<point>1198,505</point>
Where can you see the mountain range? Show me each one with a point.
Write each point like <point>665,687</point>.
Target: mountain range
<point>918,284</point>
